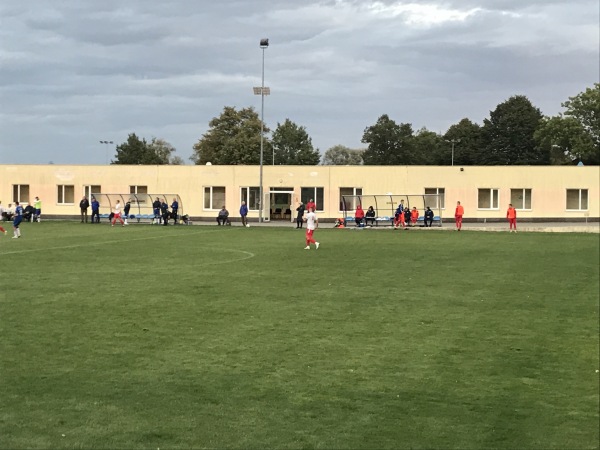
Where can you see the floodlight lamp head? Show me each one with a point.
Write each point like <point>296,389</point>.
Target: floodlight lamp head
<point>264,43</point>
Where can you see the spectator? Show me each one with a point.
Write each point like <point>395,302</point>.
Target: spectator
<point>406,214</point>
<point>244,213</point>
<point>359,215</point>
<point>458,216</point>
<point>126,210</point>
<point>223,217</point>
<point>156,211</point>
<point>310,205</point>
<point>428,217</point>
<point>174,209</point>
<point>84,204</point>
<point>414,216</point>
<point>164,211</point>
<point>370,215</point>
<point>28,213</point>
<point>38,209</point>
<point>300,215</point>
<point>95,210</point>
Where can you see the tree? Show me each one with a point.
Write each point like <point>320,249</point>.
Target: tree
<point>428,148</point>
<point>293,146</point>
<point>162,151</point>
<point>339,155</point>
<point>508,135</point>
<point>233,138</point>
<point>388,143</point>
<point>566,140</point>
<point>469,150</point>
<point>138,151</point>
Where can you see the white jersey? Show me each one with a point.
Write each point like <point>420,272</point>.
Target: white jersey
<point>117,209</point>
<point>311,221</point>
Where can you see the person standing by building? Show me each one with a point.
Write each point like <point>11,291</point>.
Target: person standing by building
<point>310,205</point>
<point>117,214</point>
<point>95,210</point>
<point>164,211</point>
<point>300,215</point>
<point>156,210</point>
<point>458,215</point>
<point>312,223</point>
<point>84,204</point>
<point>38,209</point>
<point>174,209</point>
<point>126,210</point>
<point>17,220</point>
<point>511,215</point>
<point>244,213</point>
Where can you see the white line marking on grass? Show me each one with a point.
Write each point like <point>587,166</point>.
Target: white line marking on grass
<point>89,244</point>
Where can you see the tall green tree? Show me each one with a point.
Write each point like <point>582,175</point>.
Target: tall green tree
<point>467,146</point>
<point>566,140</point>
<point>233,138</point>
<point>428,148</point>
<point>138,151</point>
<point>293,146</point>
<point>388,143</point>
<point>508,135</point>
<point>340,155</point>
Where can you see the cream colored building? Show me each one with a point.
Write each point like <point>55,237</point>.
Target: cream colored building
<point>547,193</point>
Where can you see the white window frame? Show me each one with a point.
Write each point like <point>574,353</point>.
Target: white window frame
<point>524,192</point>
<point>356,191</point>
<point>88,190</point>
<point>491,191</point>
<point>211,206</point>
<point>580,190</point>
<point>438,191</point>
<point>18,196</point>
<point>314,196</point>
<point>134,189</point>
<point>61,194</point>
<point>247,190</point>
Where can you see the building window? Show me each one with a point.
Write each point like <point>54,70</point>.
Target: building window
<point>577,199</point>
<point>436,202</point>
<point>138,190</point>
<point>316,193</point>
<point>250,195</point>
<point>487,199</point>
<point>90,190</point>
<point>350,204</point>
<point>214,197</point>
<point>521,198</point>
<point>21,193</point>
<point>65,194</point>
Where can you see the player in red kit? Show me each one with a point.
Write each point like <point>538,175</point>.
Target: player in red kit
<point>511,215</point>
<point>458,216</point>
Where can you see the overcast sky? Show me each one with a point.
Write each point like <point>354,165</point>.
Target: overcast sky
<point>73,72</point>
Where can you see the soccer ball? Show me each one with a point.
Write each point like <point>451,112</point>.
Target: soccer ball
<point>247,225</point>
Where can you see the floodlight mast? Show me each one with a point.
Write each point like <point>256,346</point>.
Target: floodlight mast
<point>107,144</point>
<point>262,91</point>
<point>453,141</point>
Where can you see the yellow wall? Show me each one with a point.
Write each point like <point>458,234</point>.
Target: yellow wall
<point>548,184</point>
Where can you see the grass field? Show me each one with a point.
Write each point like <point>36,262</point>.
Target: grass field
<point>224,337</point>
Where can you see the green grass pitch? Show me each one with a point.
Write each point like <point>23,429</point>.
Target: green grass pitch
<point>225,337</point>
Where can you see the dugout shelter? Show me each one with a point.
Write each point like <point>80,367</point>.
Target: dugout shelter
<point>385,206</point>
<point>141,204</point>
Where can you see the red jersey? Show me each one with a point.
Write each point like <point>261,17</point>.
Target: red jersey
<point>311,205</point>
<point>460,211</point>
<point>511,213</point>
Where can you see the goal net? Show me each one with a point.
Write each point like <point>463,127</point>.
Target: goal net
<point>385,205</point>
